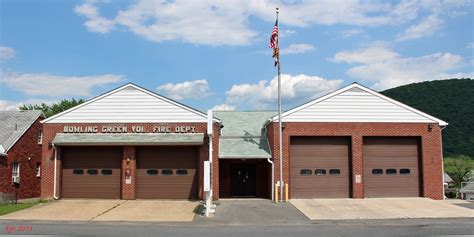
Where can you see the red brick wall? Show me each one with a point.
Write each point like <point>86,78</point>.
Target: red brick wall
<point>430,148</point>
<point>128,190</point>
<point>26,146</point>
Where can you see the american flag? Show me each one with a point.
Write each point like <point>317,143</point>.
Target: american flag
<point>274,42</point>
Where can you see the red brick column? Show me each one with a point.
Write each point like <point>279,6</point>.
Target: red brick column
<point>357,167</point>
<point>128,190</point>
<point>432,164</point>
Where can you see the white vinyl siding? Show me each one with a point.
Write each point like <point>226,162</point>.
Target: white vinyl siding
<point>355,105</point>
<point>130,105</point>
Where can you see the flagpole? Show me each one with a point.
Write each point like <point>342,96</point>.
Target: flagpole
<point>280,150</point>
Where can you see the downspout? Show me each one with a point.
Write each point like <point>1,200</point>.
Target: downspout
<point>273,178</point>
<point>55,172</point>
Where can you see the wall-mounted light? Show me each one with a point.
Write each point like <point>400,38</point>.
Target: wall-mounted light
<point>128,160</point>
<point>430,127</point>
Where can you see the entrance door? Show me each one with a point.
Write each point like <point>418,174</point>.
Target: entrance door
<point>243,182</point>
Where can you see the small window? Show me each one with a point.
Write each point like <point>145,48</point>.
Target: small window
<point>334,171</point>
<point>405,171</point>
<point>181,172</point>
<point>320,172</point>
<point>391,171</point>
<point>152,172</point>
<point>40,136</point>
<point>38,169</point>
<point>377,171</point>
<point>305,172</point>
<point>78,172</point>
<point>106,172</point>
<point>92,172</point>
<point>167,172</point>
<point>16,172</point>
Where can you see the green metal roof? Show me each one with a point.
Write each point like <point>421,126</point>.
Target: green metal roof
<point>243,135</point>
<point>64,139</point>
<point>244,148</point>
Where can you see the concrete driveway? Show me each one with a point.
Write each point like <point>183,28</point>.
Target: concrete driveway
<point>379,208</point>
<point>108,210</point>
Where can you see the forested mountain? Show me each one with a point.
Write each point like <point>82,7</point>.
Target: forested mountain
<point>450,100</point>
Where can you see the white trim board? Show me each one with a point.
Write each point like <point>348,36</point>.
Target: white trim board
<point>356,103</point>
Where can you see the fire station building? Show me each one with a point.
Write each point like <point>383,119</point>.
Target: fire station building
<point>131,143</point>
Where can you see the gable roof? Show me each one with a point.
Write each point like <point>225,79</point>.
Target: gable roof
<point>356,103</point>
<point>129,103</point>
<point>13,124</point>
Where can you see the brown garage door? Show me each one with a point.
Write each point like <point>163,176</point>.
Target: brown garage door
<point>391,167</point>
<point>91,172</point>
<point>167,172</point>
<point>319,167</point>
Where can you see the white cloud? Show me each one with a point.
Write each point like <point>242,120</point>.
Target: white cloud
<point>470,45</point>
<point>227,22</point>
<point>263,95</point>
<point>56,86</point>
<point>9,105</point>
<point>373,54</point>
<point>6,53</point>
<point>390,69</point>
<point>427,27</point>
<point>223,107</point>
<point>297,49</point>
<point>351,32</point>
<point>197,89</point>
<point>94,22</point>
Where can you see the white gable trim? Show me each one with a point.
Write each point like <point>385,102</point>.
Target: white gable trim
<point>197,112</point>
<point>355,85</point>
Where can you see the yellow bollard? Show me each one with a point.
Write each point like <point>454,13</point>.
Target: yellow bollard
<point>276,192</point>
<point>286,192</point>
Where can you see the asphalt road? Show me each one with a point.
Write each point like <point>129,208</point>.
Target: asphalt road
<point>366,228</point>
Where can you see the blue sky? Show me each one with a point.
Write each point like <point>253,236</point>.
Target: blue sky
<point>215,53</point>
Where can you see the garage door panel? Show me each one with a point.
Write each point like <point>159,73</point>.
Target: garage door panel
<point>326,153</point>
<point>398,154</point>
<point>160,185</point>
<point>85,185</point>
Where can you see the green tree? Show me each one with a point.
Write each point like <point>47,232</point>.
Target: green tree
<point>50,110</point>
<point>459,168</point>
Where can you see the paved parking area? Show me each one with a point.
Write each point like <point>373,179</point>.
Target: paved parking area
<point>151,210</point>
<point>65,210</point>
<point>253,212</point>
<point>379,208</point>
<point>108,210</point>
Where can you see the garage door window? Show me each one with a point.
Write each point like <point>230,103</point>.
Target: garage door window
<point>92,172</point>
<point>404,171</point>
<point>106,172</point>
<point>306,172</point>
<point>152,172</point>
<point>377,171</point>
<point>181,172</point>
<point>78,172</point>
<point>320,172</point>
<point>167,172</point>
<point>391,171</point>
<point>334,171</point>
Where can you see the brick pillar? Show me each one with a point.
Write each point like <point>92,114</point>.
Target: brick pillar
<point>128,189</point>
<point>357,167</point>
